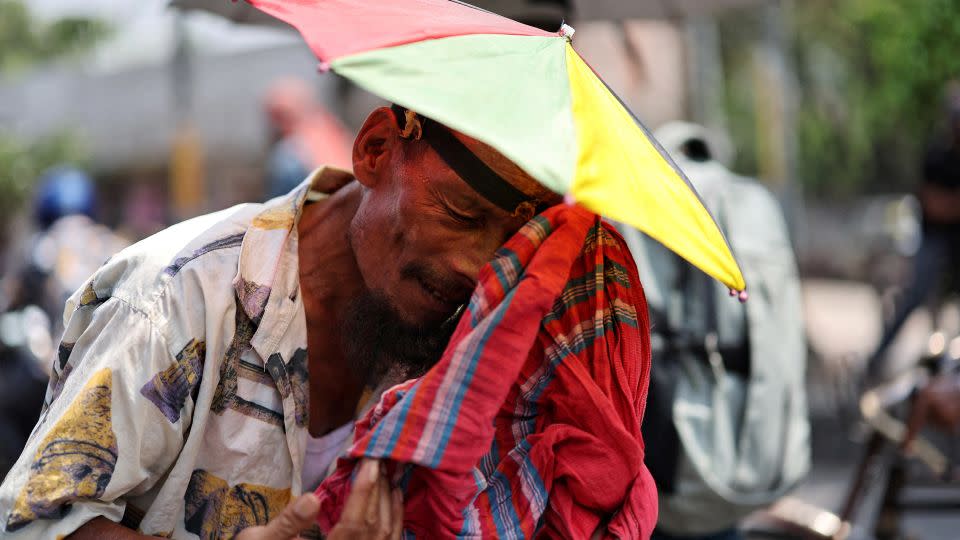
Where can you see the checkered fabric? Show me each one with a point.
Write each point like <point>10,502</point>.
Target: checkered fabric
<point>529,426</point>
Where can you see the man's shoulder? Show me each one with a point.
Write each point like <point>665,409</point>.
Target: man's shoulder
<point>198,250</point>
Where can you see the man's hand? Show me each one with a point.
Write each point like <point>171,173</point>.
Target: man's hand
<point>372,512</point>
<point>938,404</point>
<point>941,205</point>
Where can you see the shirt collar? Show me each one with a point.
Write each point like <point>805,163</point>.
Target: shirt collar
<point>268,279</point>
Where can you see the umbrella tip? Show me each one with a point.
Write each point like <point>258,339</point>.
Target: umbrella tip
<point>569,200</point>
<point>567,31</point>
<point>742,296</point>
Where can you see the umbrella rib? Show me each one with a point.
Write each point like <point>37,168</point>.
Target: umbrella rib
<point>462,3</point>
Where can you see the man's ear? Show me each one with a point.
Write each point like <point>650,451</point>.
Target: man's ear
<point>377,140</point>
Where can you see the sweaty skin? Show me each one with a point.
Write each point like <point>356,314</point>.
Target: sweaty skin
<point>409,229</point>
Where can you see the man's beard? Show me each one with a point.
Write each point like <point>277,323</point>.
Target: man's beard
<point>377,341</point>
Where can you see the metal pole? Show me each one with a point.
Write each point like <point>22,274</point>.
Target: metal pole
<point>775,86</point>
<point>705,71</point>
<point>186,152</point>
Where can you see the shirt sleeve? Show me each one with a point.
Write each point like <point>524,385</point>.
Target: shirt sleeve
<point>106,431</point>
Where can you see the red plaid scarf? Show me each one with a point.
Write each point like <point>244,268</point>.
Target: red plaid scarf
<point>530,423</point>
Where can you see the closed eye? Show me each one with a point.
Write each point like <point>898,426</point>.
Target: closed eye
<point>461,217</point>
<point>466,219</point>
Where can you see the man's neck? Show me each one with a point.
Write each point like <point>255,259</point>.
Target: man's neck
<point>329,279</point>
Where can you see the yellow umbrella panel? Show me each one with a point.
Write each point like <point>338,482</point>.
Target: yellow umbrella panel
<point>623,174</point>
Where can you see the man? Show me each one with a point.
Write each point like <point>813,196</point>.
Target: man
<point>936,260</point>
<point>303,135</point>
<point>66,248</point>
<point>69,244</point>
<point>183,398</point>
<point>726,425</point>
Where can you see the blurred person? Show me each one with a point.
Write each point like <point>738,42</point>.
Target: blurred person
<point>184,402</point>
<point>726,426</point>
<point>144,212</point>
<point>24,346</point>
<point>66,249</point>
<point>936,264</point>
<point>68,245</point>
<point>937,403</point>
<point>303,136</point>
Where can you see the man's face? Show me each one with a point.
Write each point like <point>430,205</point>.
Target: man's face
<point>421,234</point>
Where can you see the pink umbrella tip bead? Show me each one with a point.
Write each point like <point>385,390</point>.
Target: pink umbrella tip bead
<point>743,296</point>
<point>569,200</point>
<point>322,67</point>
<point>732,292</point>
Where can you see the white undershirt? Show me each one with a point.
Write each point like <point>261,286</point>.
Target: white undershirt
<point>320,454</point>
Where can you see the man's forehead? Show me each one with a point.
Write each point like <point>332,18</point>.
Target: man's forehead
<point>485,170</point>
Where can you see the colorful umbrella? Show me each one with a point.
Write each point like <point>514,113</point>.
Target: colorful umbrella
<point>526,93</point>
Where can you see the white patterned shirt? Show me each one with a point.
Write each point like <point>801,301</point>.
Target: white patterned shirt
<point>179,399</point>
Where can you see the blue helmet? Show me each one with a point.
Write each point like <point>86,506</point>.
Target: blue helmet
<point>63,191</point>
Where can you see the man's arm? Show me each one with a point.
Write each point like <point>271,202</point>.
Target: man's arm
<point>372,511</point>
<point>937,403</point>
<point>86,454</point>
<point>941,204</point>
<point>101,528</point>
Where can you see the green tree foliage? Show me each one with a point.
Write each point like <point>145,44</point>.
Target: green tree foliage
<point>888,62</point>
<point>871,80</point>
<point>25,42</point>
<point>22,163</point>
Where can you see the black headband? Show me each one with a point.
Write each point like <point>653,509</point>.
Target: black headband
<point>477,174</point>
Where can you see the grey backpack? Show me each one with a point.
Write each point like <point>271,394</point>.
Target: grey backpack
<point>726,428</point>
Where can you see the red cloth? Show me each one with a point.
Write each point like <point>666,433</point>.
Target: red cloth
<point>530,423</point>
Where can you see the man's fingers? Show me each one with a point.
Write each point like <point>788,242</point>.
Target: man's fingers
<point>396,514</point>
<point>364,485</point>
<point>295,517</point>
<point>385,506</point>
<point>372,510</point>
<point>371,514</point>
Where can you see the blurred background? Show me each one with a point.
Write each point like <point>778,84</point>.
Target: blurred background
<point>172,110</point>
